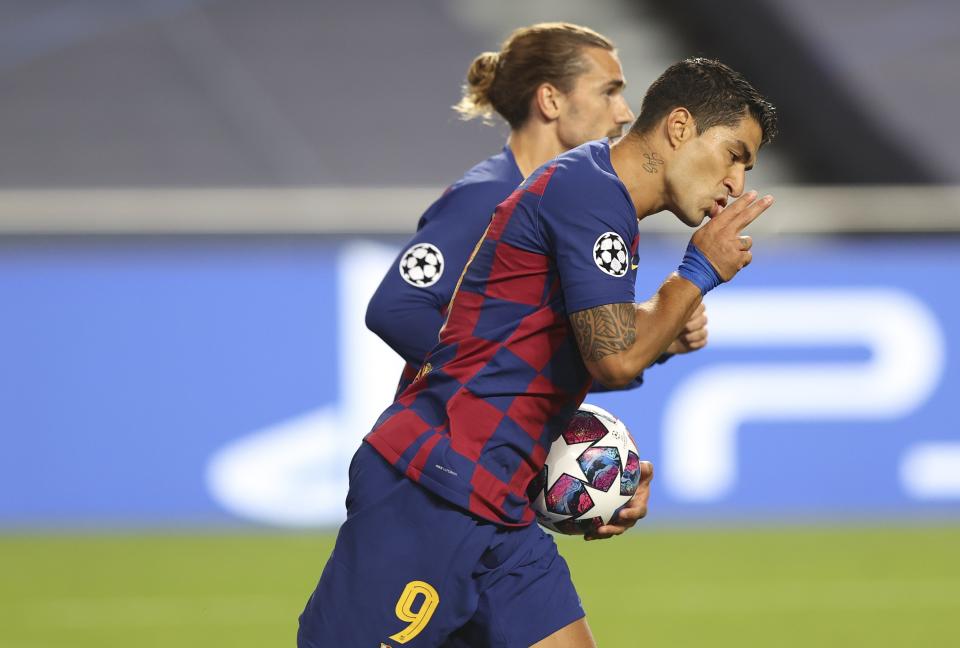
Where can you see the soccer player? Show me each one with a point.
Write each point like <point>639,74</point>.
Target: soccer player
<point>439,547</point>
<point>557,85</point>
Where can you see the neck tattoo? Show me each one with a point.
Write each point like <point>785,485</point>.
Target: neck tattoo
<point>653,162</point>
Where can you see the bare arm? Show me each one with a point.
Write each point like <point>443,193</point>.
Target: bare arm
<point>618,341</point>
<point>613,351</point>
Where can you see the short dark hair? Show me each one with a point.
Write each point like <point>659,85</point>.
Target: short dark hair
<point>715,94</point>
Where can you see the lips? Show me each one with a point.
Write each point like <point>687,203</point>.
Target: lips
<point>717,206</point>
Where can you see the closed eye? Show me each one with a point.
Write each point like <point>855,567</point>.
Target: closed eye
<point>614,87</point>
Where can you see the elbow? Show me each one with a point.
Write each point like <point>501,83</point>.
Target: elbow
<point>400,329</point>
<point>375,318</point>
<point>612,372</point>
<point>615,382</point>
<point>621,370</point>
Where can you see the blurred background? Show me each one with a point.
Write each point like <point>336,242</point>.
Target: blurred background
<point>197,198</point>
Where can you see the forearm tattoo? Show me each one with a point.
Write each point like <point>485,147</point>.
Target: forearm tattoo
<point>605,330</point>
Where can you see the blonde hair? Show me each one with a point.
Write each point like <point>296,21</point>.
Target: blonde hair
<point>504,82</point>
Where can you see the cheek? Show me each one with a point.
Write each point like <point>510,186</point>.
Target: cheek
<point>587,123</point>
<point>702,173</point>
<point>594,114</point>
<point>610,109</point>
<point>684,173</point>
<point>686,182</point>
<point>703,167</point>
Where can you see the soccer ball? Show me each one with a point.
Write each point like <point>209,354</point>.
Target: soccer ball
<point>592,470</point>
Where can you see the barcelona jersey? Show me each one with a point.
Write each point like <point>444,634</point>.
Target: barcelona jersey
<point>506,376</point>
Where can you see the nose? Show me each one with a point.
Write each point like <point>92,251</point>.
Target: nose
<point>736,181</point>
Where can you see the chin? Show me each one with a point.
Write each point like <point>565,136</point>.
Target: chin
<point>693,220</point>
<point>689,217</point>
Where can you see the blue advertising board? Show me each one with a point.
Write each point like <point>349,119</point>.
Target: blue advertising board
<point>224,381</point>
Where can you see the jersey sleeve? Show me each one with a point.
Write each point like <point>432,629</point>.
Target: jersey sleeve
<point>592,238</point>
<point>409,306</point>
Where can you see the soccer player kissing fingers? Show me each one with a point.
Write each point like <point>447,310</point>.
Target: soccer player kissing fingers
<point>720,240</point>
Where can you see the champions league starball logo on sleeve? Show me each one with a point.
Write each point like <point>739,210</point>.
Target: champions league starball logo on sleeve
<point>610,254</point>
<point>421,265</point>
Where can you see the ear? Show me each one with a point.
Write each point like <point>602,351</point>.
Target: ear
<point>547,101</point>
<point>680,127</point>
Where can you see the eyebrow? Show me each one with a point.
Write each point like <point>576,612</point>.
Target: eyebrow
<point>615,83</point>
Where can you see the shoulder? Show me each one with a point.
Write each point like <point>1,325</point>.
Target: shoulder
<point>478,192</point>
<point>496,169</point>
<point>583,179</point>
<point>588,164</point>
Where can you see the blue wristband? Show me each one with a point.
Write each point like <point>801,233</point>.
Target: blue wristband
<point>698,270</point>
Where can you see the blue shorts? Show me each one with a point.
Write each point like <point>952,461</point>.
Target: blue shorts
<point>409,569</point>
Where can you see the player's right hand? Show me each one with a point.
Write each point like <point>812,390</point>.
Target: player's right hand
<point>720,239</point>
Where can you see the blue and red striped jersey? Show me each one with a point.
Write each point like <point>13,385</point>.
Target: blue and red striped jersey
<point>477,423</point>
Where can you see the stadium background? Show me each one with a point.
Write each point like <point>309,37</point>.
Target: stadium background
<point>197,197</point>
